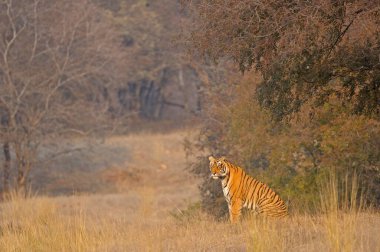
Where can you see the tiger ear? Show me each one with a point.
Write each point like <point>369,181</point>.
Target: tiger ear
<point>211,158</point>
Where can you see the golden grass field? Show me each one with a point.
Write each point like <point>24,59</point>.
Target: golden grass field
<point>145,211</point>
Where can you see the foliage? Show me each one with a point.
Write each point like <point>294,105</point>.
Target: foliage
<point>293,158</point>
<point>304,50</point>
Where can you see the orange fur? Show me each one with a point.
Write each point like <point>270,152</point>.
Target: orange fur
<point>241,190</point>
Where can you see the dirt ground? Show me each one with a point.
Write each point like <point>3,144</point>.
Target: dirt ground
<point>122,170</point>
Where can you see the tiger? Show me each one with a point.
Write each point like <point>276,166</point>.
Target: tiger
<point>241,190</point>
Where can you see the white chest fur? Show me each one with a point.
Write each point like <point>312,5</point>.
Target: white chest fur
<point>226,189</point>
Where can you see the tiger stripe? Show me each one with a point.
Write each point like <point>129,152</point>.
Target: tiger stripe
<point>241,190</point>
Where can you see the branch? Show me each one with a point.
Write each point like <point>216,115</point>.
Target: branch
<point>339,38</point>
<point>35,31</point>
<point>8,47</point>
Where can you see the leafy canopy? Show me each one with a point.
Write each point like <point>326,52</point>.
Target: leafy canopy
<point>305,51</point>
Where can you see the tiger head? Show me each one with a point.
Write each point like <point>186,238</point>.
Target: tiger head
<point>218,167</point>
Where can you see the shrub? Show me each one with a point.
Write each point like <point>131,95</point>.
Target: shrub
<point>293,157</point>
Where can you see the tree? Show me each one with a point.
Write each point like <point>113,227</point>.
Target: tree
<point>162,83</point>
<point>56,57</point>
<point>305,51</point>
<point>295,159</point>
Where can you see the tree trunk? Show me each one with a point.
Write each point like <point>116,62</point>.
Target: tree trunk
<point>22,177</point>
<point>23,168</point>
<point>6,168</point>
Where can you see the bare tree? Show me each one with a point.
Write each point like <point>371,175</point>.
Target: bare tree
<point>55,57</point>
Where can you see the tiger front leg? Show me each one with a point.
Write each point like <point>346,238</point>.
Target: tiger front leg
<point>235,210</point>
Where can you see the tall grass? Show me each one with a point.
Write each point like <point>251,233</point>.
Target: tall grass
<point>342,207</point>
<point>47,224</point>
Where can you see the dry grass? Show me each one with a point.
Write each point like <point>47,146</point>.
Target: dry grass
<point>146,215</point>
<point>85,223</point>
